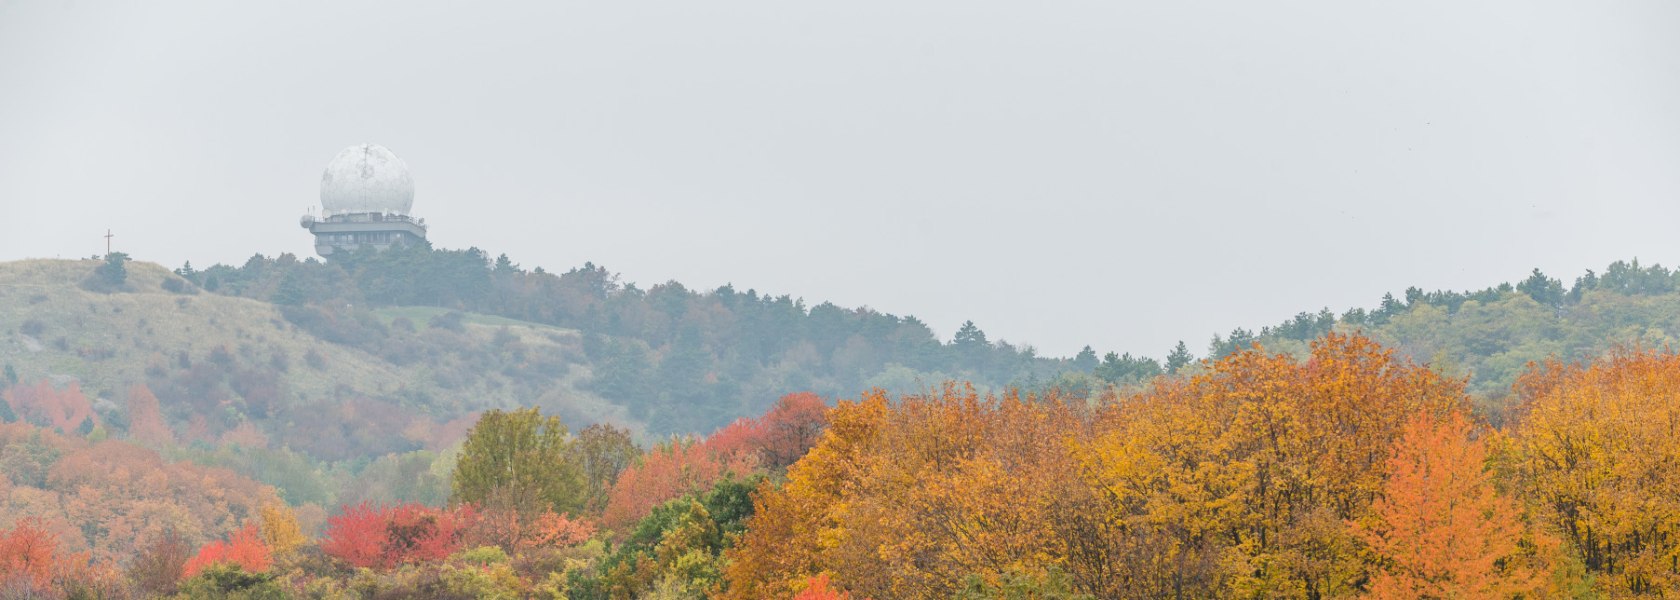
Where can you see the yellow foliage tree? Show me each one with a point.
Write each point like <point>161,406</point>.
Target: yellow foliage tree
<point>906,499</point>
<point>280,529</point>
<point>1599,447</point>
<point>1239,480</point>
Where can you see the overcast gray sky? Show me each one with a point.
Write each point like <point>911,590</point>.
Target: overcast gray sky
<point>1119,174</point>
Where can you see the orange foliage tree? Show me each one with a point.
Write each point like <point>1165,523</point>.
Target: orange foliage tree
<point>118,495</point>
<point>145,420</point>
<point>28,555</point>
<point>664,474</point>
<point>1441,529</point>
<point>123,493</point>
<point>65,410</point>
<point>1597,446</point>
<point>908,499</point>
<point>517,532</point>
<point>245,549</point>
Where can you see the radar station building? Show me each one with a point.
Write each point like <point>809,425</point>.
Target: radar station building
<point>366,196</point>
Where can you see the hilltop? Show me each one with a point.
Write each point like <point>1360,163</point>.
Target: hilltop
<point>217,361</point>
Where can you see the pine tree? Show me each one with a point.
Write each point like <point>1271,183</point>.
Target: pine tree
<point>1086,360</point>
<point>969,335</point>
<point>1179,358</point>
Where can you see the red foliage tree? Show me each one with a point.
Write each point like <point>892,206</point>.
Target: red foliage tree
<point>357,535</point>
<point>245,548</point>
<point>816,588</point>
<point>418,533</point>
<point>780,437</point>
<point>791,428</point>
<point>741,436</point>
<point>376,536</point>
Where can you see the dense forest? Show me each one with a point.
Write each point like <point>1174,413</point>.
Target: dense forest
<point>724,345</point>
<point>434,423</point>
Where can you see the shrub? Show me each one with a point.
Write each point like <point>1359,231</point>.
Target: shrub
<point>174,285</point>
<point>113,273</point>
<point>314,359</point>
<point>483,556</point>
<point>229,582</point>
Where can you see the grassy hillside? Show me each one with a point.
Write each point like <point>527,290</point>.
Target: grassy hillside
<point>426,363</point>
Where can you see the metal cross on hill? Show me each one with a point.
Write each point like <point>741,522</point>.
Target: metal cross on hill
<point>108,237</point>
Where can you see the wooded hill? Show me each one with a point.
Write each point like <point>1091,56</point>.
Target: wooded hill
<point>677,359</point>
<point>322,406</point>
<point>444,333</point>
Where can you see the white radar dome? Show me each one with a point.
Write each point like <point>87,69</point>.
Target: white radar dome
<point>366,179</point>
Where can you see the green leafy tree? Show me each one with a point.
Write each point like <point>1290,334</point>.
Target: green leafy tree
<point>290,292</point>
<point>678,544</point>
<point>520,454</point>
<point>603,451</point>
